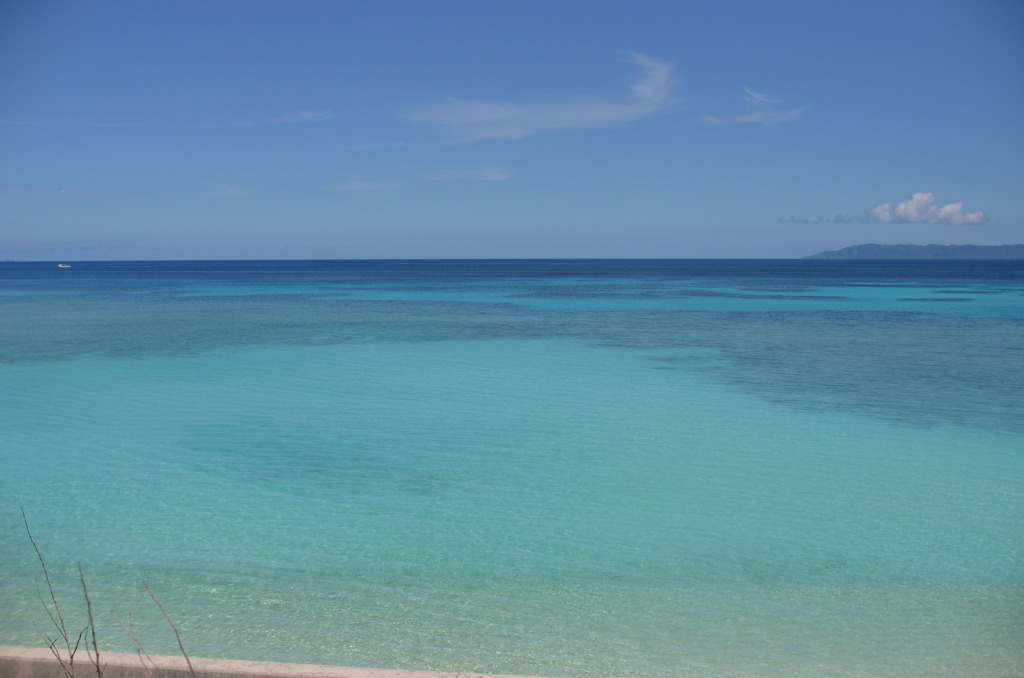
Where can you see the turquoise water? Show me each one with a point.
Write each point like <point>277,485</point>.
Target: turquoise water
<point>580,469</point>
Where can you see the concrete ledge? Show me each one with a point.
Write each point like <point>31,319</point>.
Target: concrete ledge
<point>34,662</point>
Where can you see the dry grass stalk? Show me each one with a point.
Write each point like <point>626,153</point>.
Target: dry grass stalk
<point>129,628</point>
<point>56,616</point>
<point>174,628</point>
<point>67,663</point>
<point>94,655</point>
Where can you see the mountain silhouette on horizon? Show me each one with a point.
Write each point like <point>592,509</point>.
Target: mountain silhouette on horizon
<point>873,251</point>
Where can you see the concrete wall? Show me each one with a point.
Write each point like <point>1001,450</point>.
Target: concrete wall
<point>32,662</point>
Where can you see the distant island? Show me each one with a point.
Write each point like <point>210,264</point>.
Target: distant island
<point>924,252</point>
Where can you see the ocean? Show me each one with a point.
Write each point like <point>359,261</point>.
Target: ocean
<point>579,469</point>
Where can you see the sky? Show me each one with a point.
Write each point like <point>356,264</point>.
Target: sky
<point>484,129</point>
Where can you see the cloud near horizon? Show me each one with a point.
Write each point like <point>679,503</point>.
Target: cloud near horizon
<point>302,116</point>
<point>385,145</point>
<point>357,185</point>
<point>288,118</point>
<point>228,191</point>
<point>765,111</point>
<point>378,186</point>
<point>482,174</point>
<point>920,208</point>
<point>837,219</point>
<point>472,120</point>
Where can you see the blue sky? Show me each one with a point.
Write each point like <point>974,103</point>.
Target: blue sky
<point>215,129</point>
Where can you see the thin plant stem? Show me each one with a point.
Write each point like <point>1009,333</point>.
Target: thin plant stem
<point>174,628</point>
<point>69,665</point>
<point>129,628</point>
<point>95,654</point>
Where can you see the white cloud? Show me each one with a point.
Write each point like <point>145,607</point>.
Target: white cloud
<point>920,208</point>
<point>52,191</point>
<point>74,123</point>
<point>764,112</point>
<point>482,174</point>
<point>755,97</point>
<point>369,186</point>
<point>837,219</point>
<point>650,92</point>
<point>228,191</point>
<point>378,146</point>
<point>303,116</point>
<point>288,118</point>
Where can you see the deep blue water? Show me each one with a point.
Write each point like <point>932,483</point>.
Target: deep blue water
<point>563,468</point>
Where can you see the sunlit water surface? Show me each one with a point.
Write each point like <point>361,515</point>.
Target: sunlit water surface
<point>580,469</point>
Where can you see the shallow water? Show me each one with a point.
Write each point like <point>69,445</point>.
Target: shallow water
<point>553,468</point>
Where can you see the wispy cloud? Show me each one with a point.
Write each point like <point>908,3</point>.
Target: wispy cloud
<point>765,110</point>
<point>378,147</point>
<point>482,174</point>
<point>472,120</point>
<point>920,208</point>
<point>837,219</point>
<point>301,116</point>
<point>286,119</point>
<point>378,186</point>
<point>756,98</point>
<point>228,191</point>
<point>54,191</point>
<point>84,123</point>
<point>357,185</point>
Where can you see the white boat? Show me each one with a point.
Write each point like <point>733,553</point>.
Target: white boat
<point>63,265</point>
